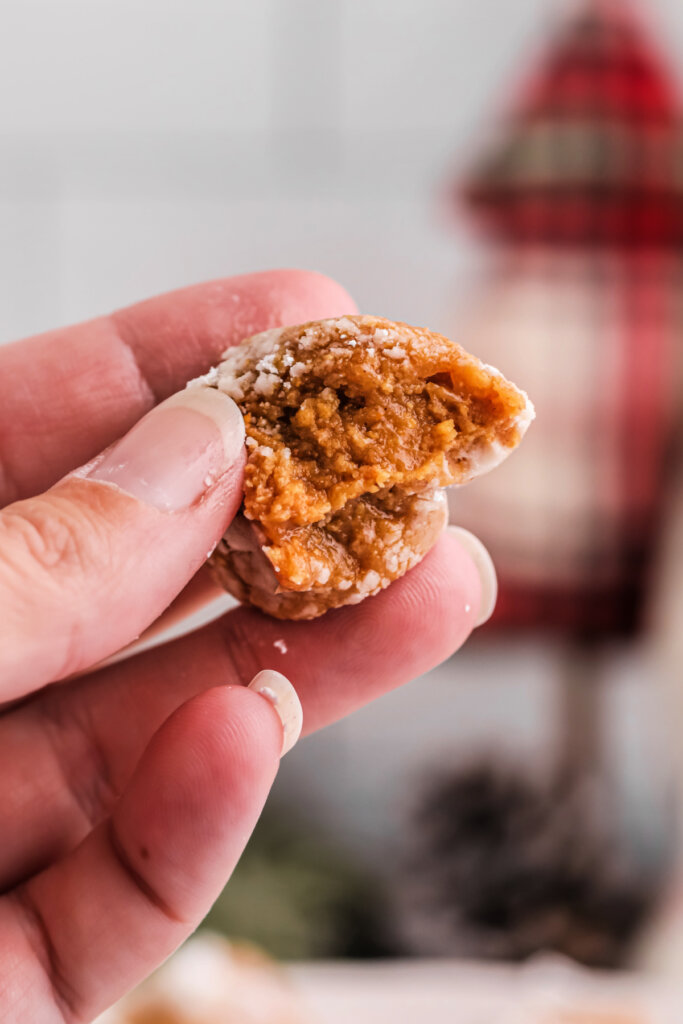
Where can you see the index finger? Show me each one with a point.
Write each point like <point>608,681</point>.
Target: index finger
<point>67,394</point>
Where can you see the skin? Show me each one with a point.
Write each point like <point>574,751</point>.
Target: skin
<point>130,792</point>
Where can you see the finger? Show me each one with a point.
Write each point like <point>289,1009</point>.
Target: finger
<point>85,567</point>
<point>68,394</point>
<point>344,660</point>
<point>68,755</point>
<point>201,593</point>
<point>87,929</point>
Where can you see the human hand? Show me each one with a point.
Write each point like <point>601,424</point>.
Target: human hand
<point>128,794</point>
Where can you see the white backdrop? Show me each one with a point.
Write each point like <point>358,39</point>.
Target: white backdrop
<point>151,143</point>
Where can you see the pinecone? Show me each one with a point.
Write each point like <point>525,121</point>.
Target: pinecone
<point>504,868</point>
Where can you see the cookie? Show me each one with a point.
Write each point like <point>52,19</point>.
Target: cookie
<point>353,428</point>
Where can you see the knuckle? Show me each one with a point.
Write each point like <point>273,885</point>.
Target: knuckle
<point>44,952</point>
<point>139,882</point>
<point>56,552</point>
<point>240,645</point>
<point>81,757</point>
<point>9,488</point>
<point>10,468</point>
<point>49,537</point>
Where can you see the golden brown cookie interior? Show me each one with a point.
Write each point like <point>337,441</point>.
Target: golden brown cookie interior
<point>349,422</point>
<point>339,408</point>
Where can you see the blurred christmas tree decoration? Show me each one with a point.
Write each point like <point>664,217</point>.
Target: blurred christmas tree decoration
<point>580,198</point>
<point>593,151</point>
<point>582,190</point>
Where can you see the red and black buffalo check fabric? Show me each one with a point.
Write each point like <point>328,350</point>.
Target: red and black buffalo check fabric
<point>584,193</point>
<point>593,153</point>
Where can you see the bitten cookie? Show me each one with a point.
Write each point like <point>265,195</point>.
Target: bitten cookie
<point>354,427</point>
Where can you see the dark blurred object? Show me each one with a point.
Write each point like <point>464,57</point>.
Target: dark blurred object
<point>593,154</point>
<point>505,868</point>
<point>298,897</point>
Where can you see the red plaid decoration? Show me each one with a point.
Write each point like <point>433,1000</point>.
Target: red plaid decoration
<point>587,197</point>
<point>594,154</point>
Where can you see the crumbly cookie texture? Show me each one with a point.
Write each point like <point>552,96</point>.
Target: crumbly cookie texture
<point>354,426</point>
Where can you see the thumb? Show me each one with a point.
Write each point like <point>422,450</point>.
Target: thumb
<point>86,566</point>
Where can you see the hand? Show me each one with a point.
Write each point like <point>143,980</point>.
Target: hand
<point>129,793</point>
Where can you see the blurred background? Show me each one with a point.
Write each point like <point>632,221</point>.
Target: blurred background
<point>508,174</point>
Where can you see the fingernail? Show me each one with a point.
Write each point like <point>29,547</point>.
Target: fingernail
<point>278,690</point>
<point>177,451</point>
<point>485,567</point>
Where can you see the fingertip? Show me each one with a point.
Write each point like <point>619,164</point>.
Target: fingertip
<point>486,571</point>
<point>211,759</point>
<point>276,688</point>
<point>439,599</point>
<point>234,735</point>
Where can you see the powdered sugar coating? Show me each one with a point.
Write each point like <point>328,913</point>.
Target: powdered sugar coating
<point>353,427</point>
<point>242,567</point>
<point>264,365</point>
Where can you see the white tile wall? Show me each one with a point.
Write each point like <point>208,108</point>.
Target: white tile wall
<point>411,68</point>
<point>31,272</point>
<point>104,66</point>
<point>386,250</point>
<point>146,143</point>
